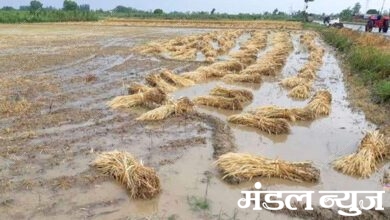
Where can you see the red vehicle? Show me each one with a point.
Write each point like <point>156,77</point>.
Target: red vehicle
<point>378,21</point>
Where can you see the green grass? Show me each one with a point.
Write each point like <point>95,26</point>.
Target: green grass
<point>382,89</point>
<point>198,204</point>
<point>46,16</point>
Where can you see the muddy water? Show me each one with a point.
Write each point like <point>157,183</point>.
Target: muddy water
<point>65,148</point>
<point>320,141</point>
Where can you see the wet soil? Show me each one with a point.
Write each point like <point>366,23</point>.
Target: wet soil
<point>46,149</point>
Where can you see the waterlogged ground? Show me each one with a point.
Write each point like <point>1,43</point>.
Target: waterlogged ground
<point>67,73</point>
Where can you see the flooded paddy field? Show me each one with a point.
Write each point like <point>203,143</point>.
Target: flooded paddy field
<point>56,81</point>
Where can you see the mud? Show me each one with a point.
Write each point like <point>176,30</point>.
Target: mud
<point>45,152</point>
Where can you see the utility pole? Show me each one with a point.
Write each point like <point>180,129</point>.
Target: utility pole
<point>305,9</point>
<point>383,5</point>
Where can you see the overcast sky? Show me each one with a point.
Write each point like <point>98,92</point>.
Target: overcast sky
<point>230,6</point>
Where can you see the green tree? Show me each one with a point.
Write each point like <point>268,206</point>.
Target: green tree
<point>70,5</point>
<point>372,11</point>
<point>346,14</point>
<point>356,8</point>
<point>8,8</point>
<point>85,7</point>
<point>35,6</point>
<point>158,11</point>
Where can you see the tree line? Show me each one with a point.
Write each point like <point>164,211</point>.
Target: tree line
<point>71,11</point>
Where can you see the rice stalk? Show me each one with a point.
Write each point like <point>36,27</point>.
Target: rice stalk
<point>156,81</point>
<point>219,102</point>
<point>294,81</point>
<point>241,94</point>
<point>142,182</point>
<point>320,103</point>
<point>242,78</point>
<point>370,154</point>
<point>265,124</point>
<point>239,167</point>
<point>137,88</point>
<point>154,95</point>
<point>301,91</point>
<point>181,106</point>
<point>176,80</point>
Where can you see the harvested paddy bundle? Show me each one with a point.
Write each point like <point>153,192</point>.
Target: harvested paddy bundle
<point>265,124</point>
<point>184,54</point>
<point>242,78</point>
<point>152,96</point>
<point>294,81</point>
<point>365,161</point>
<point>156,81</point>
<point>320,103</point>
<point>142,182</point>
<point>219,102</point>
<point>152,48</point>
<point>196,76</point>
<point>229,65</point>
<point>302,114</point>
<point>324,95</point>
<point>239,167</point>
<point>175,79</point>
<point>137,88</point>
<point>293,114</point>
<point>181,106</point>
<point>301,91</point>
<point>275,112</point>
<point>242,95</point>
<point>307,73</point>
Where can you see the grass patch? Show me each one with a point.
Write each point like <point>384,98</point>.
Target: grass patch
<point>198,204</point>
<point>382,89</point>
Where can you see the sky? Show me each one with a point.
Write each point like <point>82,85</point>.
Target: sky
<point>229,6</point>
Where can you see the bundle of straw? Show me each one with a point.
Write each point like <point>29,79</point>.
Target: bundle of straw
<point>153,95</point>
<point>265,124</point>
<point>244,167</point>
<point>301,91</point>
<point>294,81</point>
<point>307,74</point>
<point>156,81</point>
<point>142,182</point>
<point>365,161</point>
<point>196,76</point>
<point>135,88</point>
<point>275,112</point>
<point>242,78</point>
<point>320,103</point>
<point>219,102</point>
<point>181,106</point>
<point>175,79</point>
<point>229,65</point>
<point>241,94</point>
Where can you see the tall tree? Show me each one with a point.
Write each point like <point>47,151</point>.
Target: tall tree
<point>70,5</point>
<point>35,6</point>
<point>84,7</point>
<point>356,8</point>
<point>346,14</point>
